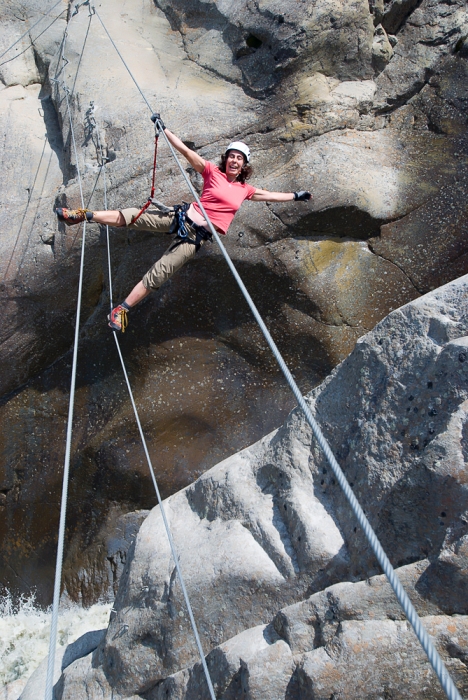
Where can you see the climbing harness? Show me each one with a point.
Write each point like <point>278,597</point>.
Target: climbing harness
<point>201,233</point>
<point>180,216</point>
<point>180,229</point>
<point>178,226</point>
<point>433,656</point>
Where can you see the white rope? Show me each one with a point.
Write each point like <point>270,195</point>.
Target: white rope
<point>402,597</point>
<point>66,471</point>
<point>148,458</point>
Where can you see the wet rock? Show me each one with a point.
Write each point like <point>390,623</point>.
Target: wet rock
<point>271,527</point>
<point>93,576</point>
<point>335,266</point>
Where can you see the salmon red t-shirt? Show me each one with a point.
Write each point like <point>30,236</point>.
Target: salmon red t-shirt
<point>220,198</point>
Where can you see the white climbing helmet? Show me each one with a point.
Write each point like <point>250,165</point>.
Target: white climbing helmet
<point>239,146</point>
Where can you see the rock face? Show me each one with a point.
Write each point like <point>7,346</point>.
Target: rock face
<point>64,657</point>
<point>286,592</point>
<point>363,103</point>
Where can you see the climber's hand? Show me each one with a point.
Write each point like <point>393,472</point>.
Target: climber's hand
<point>302,196</point>
<point>156,119</point>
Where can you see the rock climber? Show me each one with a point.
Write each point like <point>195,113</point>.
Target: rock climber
<point>224,190</point>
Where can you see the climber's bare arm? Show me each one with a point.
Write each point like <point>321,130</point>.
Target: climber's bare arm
<point>265,196</point>
<point>193,158</point>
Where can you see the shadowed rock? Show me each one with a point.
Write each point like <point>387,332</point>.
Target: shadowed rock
<point>262,536</point>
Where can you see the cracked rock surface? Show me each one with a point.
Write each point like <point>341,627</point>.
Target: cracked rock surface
<point>363,103</point>
<point>287,594</point>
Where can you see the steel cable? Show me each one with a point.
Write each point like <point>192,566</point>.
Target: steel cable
<point>32,42</point>
<point>31,28</point>
<point>402,597</point>
<point>148,458</point>
<point>66,472</point>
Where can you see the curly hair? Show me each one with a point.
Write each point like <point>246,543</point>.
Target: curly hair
<point>244,174</point>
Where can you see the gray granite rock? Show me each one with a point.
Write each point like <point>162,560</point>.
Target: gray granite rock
<point>392,13</point>
<point>263,537</point>
<point>382,51</point>
<point>378,658</point>
<point>256,45</point>
<point>255,664</point>
<point>81,679</point>
<point>64,657</point>
<point>431,31</point>
<point>349,639</point>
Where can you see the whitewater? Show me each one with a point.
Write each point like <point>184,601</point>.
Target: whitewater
<point>24,636</point>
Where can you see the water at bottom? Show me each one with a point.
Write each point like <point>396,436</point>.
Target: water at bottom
<point>24,636</point>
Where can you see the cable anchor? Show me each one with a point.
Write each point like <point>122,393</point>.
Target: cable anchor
<point>91,8</point>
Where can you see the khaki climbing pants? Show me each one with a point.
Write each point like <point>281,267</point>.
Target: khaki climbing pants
<point>174,257</point>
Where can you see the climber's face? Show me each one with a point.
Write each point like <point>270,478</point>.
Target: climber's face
<point>234,162</point>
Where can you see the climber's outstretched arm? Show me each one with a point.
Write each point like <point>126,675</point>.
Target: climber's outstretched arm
<point>265,196</point>
<point>193,158</point>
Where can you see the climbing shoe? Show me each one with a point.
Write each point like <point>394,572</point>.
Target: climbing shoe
<point>70,217</point>
<point>117,318</point>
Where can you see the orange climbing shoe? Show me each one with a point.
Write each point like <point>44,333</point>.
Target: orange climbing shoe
<point>70,217</point>
<point>117,318</point>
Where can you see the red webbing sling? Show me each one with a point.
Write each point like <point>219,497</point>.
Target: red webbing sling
<point>145,206</point>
